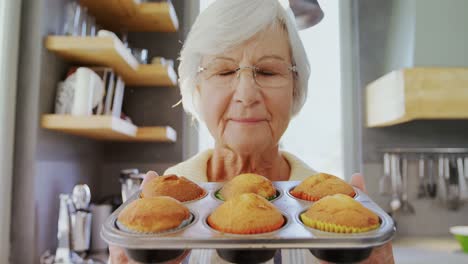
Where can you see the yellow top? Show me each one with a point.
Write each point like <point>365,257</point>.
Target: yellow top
<point>196,167</point>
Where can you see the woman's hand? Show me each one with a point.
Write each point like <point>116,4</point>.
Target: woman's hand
<point>118,255</point>
<point>382,254</point>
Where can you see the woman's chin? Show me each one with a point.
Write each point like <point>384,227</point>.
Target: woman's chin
<point>248,139</point>
<point>248,145</point>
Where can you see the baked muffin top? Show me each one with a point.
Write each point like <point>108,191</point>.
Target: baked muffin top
<point>246,213</point>
<point>342,210</point>
<point>179,188</point>
<point>153,215</point>
<point>320,185</point>
<point>248,183</point>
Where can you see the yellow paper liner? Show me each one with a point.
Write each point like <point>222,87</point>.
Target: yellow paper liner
<point>329,227</point>
<point>307,197</point>
<point>258,230</point>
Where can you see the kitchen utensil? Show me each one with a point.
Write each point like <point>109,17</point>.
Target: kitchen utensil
<point>385,183</point>
<point>91,29</point>
<point>307,12</point>
<point>81,218</point>
<point>64,253</point>
<point>453,191</point>
<point>350,248</point>
<point>441,186</point>
<point>406,206</point>
<point>83,24</point>
<point>141,55</point>
<point>100,212</point>
<point>130,180</point>
<point>71,19</point>
<point>461,179</point>
<point>465,166</point>
<point>81,196</point>
<point>395,203</point>
<point>421,187</point>
<point>431,185</point>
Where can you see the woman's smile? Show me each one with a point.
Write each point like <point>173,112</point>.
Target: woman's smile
<point>248,121</point>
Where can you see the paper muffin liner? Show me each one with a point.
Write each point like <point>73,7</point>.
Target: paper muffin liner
<point>308,197</point>
<point>259,230</point>
<point>334,228</point>
<point>184,223</point>
<point>218,195</point>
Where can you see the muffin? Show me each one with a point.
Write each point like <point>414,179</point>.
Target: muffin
<point>340,213</point>
<point>153,215</point>
<point>179,188</point>
<point>320,185</point>
<point>246,213</point>
<point>248,183</point>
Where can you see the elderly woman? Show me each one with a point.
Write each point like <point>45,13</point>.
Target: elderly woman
<point>244,74</point>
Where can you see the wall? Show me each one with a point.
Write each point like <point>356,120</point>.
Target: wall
<point>48,163</point>
<point>9,34</point>
<point>401,35</point>
<point>441,36</point>
<point>376,19</point>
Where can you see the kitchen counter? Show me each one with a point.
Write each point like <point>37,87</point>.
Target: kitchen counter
<point>428,250</point>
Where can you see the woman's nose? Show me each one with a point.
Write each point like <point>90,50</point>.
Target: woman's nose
<point>246,89</point>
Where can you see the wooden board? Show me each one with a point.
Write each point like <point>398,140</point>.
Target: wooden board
<point>106,51</point>
<point>128,15</point>
<point>107,128</point>
<point>96,127</point>
<point>152,75</point>
<point>417,93</point>
<point>155,134</point>
<point>101,51</point>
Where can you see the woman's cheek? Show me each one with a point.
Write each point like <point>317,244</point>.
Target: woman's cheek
<point>280,106</point>
<point>213,106</point>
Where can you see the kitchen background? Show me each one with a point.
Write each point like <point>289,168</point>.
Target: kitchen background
<point>377,36</point>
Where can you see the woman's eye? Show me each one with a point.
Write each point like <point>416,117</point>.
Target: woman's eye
<point>226,73</point>
<point>266,72</point>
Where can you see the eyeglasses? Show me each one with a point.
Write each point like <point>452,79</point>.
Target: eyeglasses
<point>267,73</point>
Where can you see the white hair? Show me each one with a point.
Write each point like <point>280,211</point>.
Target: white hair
<point>227,23</point>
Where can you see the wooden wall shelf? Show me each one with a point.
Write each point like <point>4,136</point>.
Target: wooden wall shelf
<point>417,93</point>
<point>129,15</point>
<point>155,134</point>
<point>110,52</point>
<point>107,128</point>
<point>152,75</point>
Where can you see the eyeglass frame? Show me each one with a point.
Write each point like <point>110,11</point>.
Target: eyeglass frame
<point>291,68</point>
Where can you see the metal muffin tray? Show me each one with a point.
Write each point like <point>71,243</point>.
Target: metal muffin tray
<point>333,247</point>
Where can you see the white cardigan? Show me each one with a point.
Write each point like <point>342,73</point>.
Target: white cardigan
<point>195,169</point>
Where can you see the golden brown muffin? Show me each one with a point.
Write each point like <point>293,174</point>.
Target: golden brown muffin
<point>152,215</point>
<point>320,185</point>
<point>179,188</point>
<point>248,183</point>
<point>247,213</point>
<point>340,213</point>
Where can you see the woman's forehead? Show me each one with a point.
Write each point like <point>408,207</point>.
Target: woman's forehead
<point>272,42</point>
